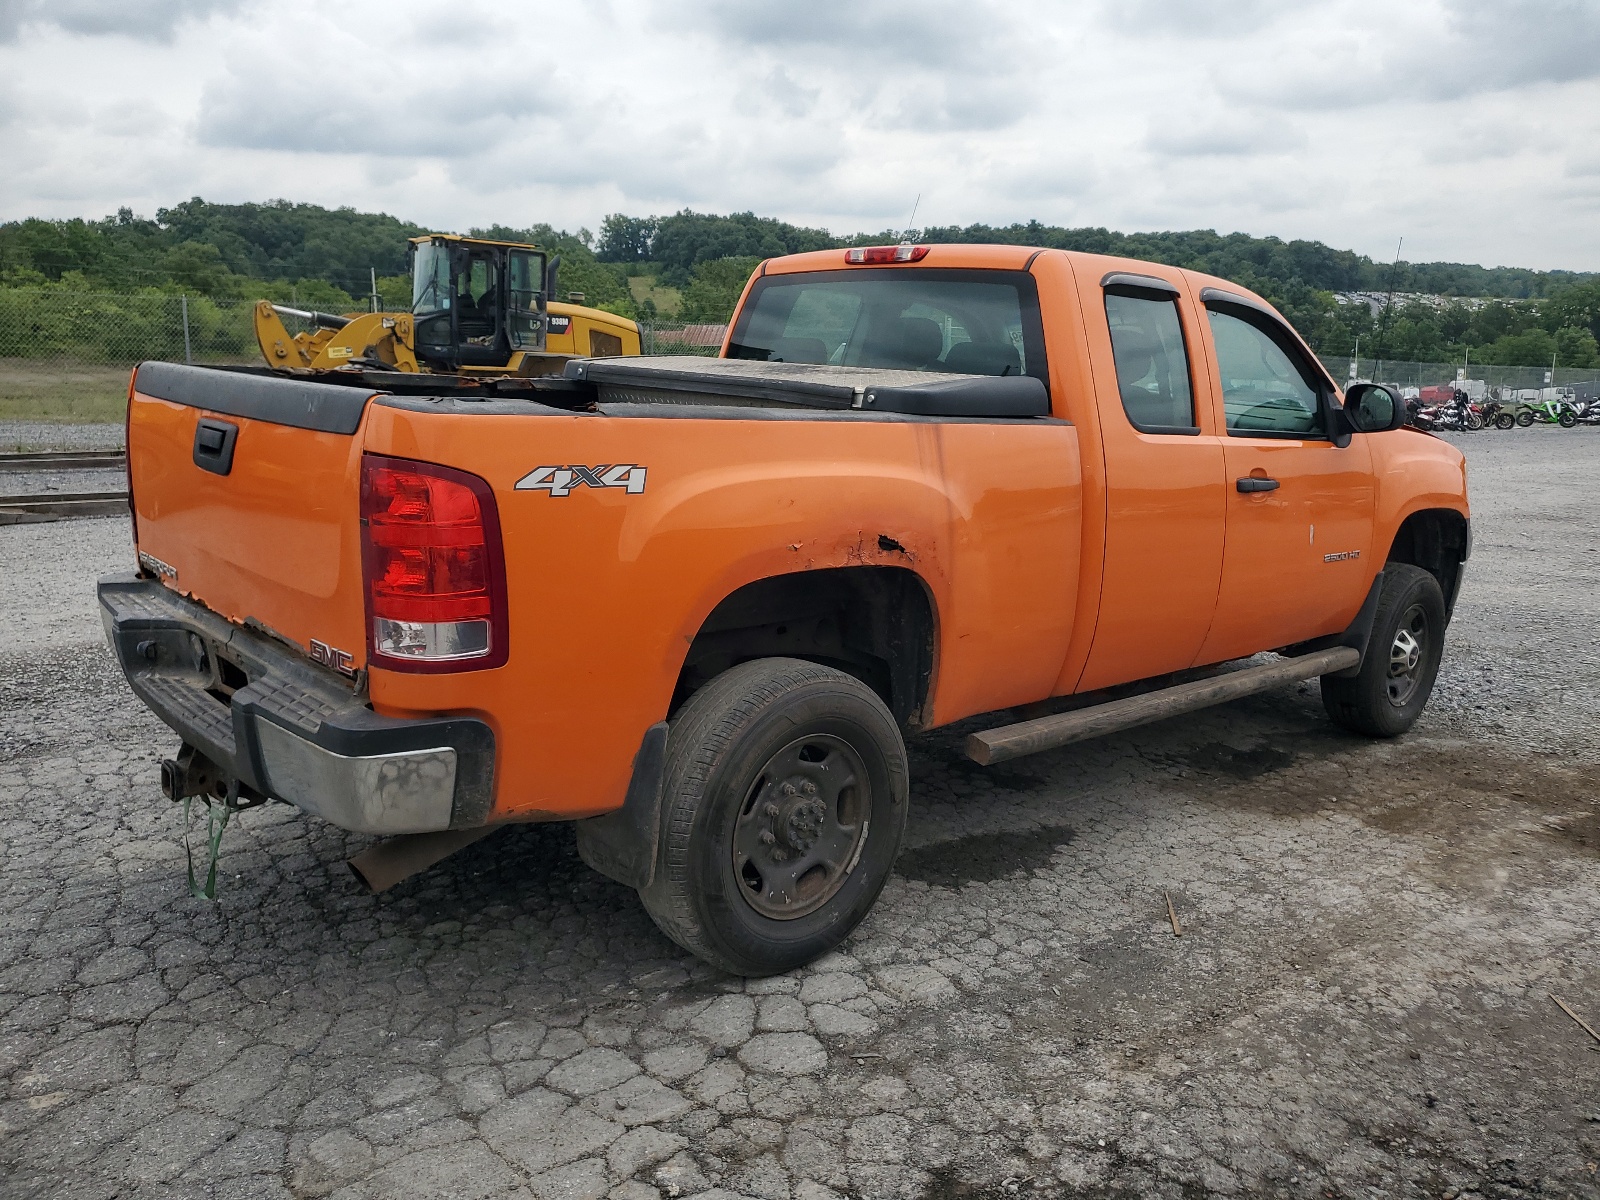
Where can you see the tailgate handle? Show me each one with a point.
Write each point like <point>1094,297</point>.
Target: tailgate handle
<point>213,445</point>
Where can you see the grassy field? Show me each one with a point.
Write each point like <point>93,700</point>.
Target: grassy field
<point>667,300</point>
<point>65,393</point>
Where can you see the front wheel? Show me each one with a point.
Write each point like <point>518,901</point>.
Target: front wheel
<point>1474,421</point>
<point>1388,691</point>
<point>1568,418</point>
<point>1504,421</point>
<point>785,801</point>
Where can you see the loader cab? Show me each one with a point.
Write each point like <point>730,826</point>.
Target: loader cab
<point>476,303</point>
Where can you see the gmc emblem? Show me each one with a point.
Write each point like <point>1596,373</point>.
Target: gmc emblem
<point>328,656</point>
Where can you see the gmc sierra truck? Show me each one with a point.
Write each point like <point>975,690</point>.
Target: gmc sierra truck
<point>696,605</point>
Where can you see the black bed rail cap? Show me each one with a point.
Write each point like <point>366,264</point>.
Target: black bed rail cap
<point>299,403</point>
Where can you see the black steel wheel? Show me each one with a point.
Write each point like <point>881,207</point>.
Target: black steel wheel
<point>785,802</point>
<point>800,829</point>
<point>1387,693</point>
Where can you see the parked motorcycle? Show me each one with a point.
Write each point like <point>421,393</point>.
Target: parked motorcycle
<point>1556,412</point>
<point>1452,416</point>
<point>1493,413</point>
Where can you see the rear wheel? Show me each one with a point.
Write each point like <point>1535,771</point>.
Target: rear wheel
<point>785,802</point>
<point>1504,421</point>
<point>1524,419</point>
<point>1387,694</point>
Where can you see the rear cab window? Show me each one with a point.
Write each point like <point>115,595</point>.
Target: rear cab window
<point>1151,356</point>
<point>963,322</point>
<point>1268,387</point>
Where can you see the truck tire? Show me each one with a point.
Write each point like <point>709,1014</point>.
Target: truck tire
<point>1387,693</point>
<point>783,807</point>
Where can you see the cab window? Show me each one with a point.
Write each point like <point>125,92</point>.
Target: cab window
<point>525,284</point>
<point>1152,363</point>
<point>1267,391</point>
<point>477,288</point>
<point>964,322</point>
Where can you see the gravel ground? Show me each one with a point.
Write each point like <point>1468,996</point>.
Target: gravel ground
<point>1359,1005</point>
<point>43,435</point>
<point>43,483</point>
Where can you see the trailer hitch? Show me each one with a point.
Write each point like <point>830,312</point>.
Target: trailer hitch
<point>192,776</point>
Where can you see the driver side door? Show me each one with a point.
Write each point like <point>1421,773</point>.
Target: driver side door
<point>1299,507</point>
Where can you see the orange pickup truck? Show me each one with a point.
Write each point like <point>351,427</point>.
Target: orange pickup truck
<point>695,605</point>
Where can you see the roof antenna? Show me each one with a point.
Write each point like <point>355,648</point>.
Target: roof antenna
<point>905,239</point>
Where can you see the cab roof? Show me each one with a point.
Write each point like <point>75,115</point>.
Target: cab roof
<point>999,257</point>
<point>459,240</point>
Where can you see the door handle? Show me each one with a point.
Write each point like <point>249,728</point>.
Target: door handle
<point>1257,483</point>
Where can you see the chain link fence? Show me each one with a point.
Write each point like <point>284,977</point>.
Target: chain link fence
<point>1495,379</point>
<point>669,337</point>
<point>120,330</point>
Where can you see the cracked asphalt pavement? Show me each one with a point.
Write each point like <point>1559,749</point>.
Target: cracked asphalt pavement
<point>1360,1003</point>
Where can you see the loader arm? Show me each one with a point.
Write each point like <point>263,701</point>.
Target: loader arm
<point>381,337</point>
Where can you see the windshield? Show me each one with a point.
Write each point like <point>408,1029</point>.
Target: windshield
<point>430,278</point>
<point>966,322</point>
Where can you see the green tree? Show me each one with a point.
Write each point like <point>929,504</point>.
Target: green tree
<point>626,239</point>
<point>714,289</point>
<point>198,267</point>
<point>1577,305</point>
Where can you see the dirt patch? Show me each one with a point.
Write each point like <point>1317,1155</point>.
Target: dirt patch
<point>983,857</point>
<point>1402,787</point>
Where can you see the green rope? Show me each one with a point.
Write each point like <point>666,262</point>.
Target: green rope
<point>214,827</point>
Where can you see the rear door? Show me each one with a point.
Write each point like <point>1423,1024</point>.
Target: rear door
<point>1164,480</point>
<point>1299,527</point>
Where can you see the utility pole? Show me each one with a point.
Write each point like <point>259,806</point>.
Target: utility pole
<point>1388,306</point>
<point>374,273</point>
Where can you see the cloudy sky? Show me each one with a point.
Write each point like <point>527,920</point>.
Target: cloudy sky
<point>1469,127</point>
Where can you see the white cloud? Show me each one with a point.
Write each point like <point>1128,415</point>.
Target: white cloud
<point>1466,125</point>
<point>155,20</point>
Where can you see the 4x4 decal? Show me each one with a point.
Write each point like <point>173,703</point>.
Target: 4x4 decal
<point>559,481</point>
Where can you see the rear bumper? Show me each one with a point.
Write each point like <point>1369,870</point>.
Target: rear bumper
<point>294,731</point>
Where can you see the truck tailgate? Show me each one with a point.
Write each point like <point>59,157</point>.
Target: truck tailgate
<point>246,497</point>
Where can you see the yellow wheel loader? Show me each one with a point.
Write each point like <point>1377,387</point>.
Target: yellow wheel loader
<point>478,308</point>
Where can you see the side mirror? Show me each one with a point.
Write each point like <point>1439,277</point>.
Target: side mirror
<point>1373,408</point>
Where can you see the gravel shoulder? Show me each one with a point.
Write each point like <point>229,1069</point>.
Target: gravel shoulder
<point>1359,1004</point>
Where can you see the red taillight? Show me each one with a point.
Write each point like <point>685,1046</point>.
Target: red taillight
<point>435,571</point>
<point>878,255</point>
